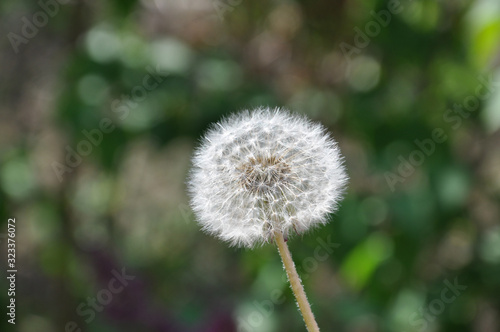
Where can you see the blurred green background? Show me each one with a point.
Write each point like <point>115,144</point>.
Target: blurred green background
<point>102,103</point>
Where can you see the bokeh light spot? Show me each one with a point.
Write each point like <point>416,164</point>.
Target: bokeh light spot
<point>364,73</point>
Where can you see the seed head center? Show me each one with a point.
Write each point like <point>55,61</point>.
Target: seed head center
<point>261,175</point>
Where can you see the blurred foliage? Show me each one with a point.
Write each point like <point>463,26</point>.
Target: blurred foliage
<point>102,107</point>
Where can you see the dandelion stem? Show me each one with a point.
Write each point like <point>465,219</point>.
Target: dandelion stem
<point>295,283</point>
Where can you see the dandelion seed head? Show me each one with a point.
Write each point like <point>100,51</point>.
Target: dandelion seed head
<point>264,171</point>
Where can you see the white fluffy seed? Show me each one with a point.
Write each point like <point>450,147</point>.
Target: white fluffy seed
<point>265,170</point>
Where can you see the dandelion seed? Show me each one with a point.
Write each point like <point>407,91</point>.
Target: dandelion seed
<point>262,171</point>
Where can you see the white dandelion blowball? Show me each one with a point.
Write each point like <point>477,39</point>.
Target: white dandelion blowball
<point>264,171</point>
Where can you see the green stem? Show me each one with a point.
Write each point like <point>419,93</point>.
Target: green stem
<point>295,283</point>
